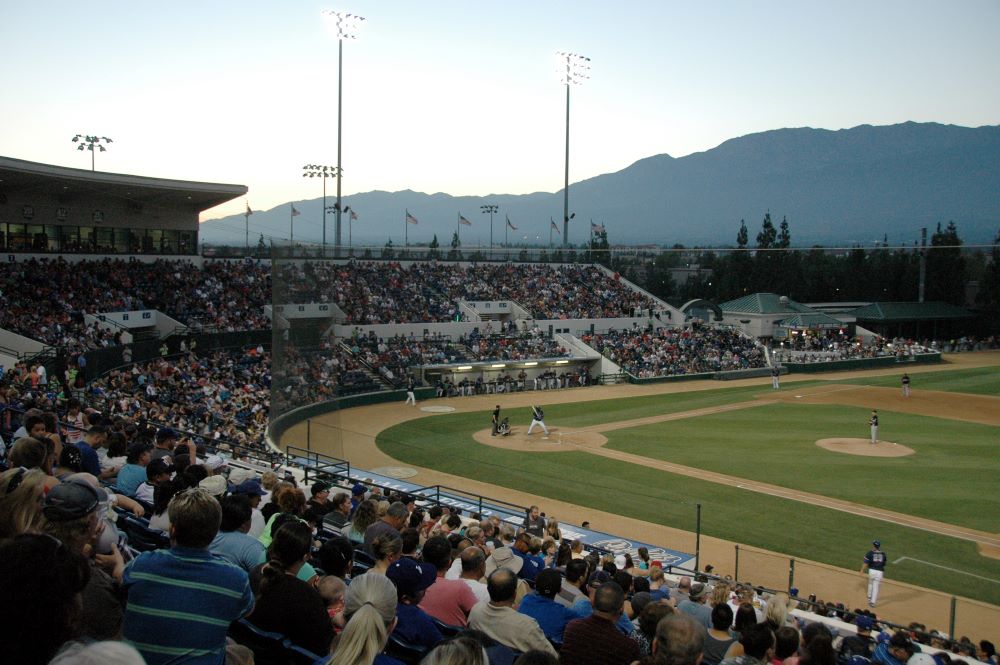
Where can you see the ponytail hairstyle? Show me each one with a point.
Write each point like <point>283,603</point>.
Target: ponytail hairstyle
<point>387,547</point>
<point>291,543</point>
<point>370,610</point>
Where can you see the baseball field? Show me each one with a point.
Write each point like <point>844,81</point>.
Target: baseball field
<point>785,473</point>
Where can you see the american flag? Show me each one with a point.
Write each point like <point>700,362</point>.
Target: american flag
<point>597,228</point>
<point>354,216</point>
<point>410,219</point>
<point>554,227</point>
<point>249,211</point>
<point>463,220</point>
<point>511,225</point>
<point>295,213</point>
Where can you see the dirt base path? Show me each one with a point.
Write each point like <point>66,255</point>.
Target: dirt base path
<point>351,435</point>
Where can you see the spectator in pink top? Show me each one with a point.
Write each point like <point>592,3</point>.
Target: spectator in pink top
<point>448,601</point>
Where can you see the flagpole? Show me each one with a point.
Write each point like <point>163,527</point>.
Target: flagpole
<point>246,221</point>
<point>551,223</point>
<point>458,227</point>
<point>506,246</point>
<point>406,230</point>
<point>291,224</point>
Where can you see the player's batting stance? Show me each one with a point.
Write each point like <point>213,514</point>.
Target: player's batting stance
<point>538,418</point>
<point>875,563</point>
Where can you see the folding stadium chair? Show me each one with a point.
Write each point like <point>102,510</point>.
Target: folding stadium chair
<point>400,649</point>
<point>270,648</point>
<point>447,629</point>
<point>140,536</point>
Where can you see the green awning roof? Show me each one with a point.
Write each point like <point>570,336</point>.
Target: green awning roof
<point>764,303</point>
<point>811,321</point>
<point>909,311</point>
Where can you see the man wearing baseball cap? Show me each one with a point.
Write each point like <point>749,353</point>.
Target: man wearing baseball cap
<point>874,562</point>
<point>413,625</point>
<point>584,607</point>
<point>543,608</point>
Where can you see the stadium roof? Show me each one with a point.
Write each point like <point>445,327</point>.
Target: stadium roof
<point>811,321</point>
<point>910,311</point>
<point>18,175</point>
<point>764,303</point>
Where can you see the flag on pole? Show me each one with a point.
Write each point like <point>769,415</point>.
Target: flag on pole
<point>295,213</point>
<point>354,216</point>
<point>249,211</point>
<point>554,227</point>
<point>597,228</point>
<point>513,228</point>
<point>462,220</point>
<point>410,219</point>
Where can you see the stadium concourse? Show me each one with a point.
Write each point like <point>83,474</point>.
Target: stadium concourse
<point>103,468</point>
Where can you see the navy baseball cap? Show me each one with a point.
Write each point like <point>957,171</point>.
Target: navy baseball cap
<point>165,433</point>
<point>70,501</point>
<point>358,489</point>
<point>411,577</point>
<point>877,543</point>
<point>864,622</point>
<point>251,487</point>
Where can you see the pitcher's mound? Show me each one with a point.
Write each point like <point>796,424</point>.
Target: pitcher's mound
<point>558,440</point>
<point>865,447</point>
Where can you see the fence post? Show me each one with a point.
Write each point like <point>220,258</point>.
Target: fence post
<point>697,540</point>
<point>736,573</point>
<point>791,573</point>
<point>951,619</point>
<point>309,434</point>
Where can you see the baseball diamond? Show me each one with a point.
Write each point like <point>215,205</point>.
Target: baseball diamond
<point>635,460</point>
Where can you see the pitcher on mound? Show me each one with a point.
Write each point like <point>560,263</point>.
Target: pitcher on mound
<point>538,418</point>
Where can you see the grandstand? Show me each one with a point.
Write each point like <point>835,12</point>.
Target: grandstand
<point>216,361</point>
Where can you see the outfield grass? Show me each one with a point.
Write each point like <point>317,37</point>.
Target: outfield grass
<point>952,477</point>
<point>949,479</point>
<point>977,381</point>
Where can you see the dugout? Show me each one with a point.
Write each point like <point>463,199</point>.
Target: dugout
<point>914,320</point>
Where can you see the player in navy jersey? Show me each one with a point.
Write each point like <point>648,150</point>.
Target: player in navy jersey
<point>875,562</point>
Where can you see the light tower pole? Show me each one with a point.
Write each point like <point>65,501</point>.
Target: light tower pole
<point>345,26</point>
<point>573,69</point>
<point>89,143</point>
<point>324,172</point>
<point>490,209</point>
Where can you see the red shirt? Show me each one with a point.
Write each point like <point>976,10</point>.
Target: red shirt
<point>449,601</point>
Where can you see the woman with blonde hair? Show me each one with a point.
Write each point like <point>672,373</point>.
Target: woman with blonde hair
<point>22,492</point>
<point>552,529</point>
<point>370,609</point>
<point>457,651</point>
<point>776,615</point>
<point>386,549</point>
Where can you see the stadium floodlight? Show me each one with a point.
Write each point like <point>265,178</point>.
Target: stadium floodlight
<point>324,172</point>
<point>89,143</point>
<point>490,209</point>
<point>573,69</point>
<point>343,26</point>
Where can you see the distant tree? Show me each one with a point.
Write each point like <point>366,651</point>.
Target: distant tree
<point>989,288</point>
<point>659,279</point>
<point>543,256</point>
<point>600,249</point>
<point>367,253</point>
<point>434,249</point>
<point>388,252</point>
<point>742,238</point>
<point>455,254</point>
<point>945,267</point>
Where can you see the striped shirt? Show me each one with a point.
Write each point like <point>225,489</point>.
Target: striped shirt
<point>180,604</point>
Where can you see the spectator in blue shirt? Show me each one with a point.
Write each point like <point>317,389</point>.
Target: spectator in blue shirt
<point>96,437</point>
<point>232,542</point>
<point>542,607</point>
<point>532,564</point>
<point>412,579</point>
<point>133,474</point>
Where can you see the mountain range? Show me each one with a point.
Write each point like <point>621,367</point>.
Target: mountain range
<point>852,186</point>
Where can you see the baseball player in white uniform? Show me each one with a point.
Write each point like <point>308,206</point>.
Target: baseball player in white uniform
<point>875,563</point>
<point>538,418</point>
<point>873,421</point>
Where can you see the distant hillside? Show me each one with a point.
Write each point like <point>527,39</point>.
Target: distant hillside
<point>851,185</point>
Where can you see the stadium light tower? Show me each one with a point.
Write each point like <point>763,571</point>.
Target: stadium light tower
<point>324,172</point>
<point>89,143</point>
<point>490,209</point>
<point>344,26</point>
<point>573,69</point>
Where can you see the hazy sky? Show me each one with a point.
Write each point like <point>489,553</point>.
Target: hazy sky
<point>462,97</point>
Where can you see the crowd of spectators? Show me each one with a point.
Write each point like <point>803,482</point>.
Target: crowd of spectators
<point>388,292</point>
<point>671,351</point>
<point>839,346</point>
<point>46,299</point>
<point>307,376</point>
<point>355,574</point>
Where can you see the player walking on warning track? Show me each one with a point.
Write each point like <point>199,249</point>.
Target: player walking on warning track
<point>873,421</point>
<point>906,385</point>
<point>775,374</point>
<point>875,562</point>
<point>538,418</point>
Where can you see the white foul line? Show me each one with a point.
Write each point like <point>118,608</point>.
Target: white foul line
<point>954,570</point>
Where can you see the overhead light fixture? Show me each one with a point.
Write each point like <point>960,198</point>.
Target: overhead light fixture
<point>464,367</point>
<point>562,362</point>
<point>498,366</point>
<point>531,364</point>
